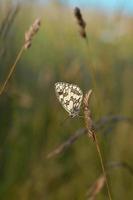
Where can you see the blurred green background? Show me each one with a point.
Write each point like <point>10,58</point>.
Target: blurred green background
<point>30,115</point>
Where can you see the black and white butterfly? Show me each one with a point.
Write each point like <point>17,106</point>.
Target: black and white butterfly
<point>70,96</point>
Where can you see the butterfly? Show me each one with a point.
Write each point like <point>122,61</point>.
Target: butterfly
<point>70,96</point>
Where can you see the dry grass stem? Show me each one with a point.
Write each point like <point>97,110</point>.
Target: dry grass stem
<point>83,131</point>
<point>96,188</point>
<point>11,71</point>
<point>88,124</point>
<point>82,25</point>
<point>122,164</point>
<point>81,22</point>
<point>28,40</point>
<point>112,120</point>
<point>67,143</point>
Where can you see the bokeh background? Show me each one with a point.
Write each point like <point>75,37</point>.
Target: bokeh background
<point>30,115</point>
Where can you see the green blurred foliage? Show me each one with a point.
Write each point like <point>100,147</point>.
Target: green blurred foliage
<point>30,114</point>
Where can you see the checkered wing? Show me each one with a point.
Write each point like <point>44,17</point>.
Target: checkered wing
<point>70,96</point>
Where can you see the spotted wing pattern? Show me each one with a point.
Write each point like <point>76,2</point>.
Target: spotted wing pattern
<point>70,96</point>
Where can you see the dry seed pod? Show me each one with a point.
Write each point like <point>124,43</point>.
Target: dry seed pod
<point>79,17</point>
<point>87,114</point>
<point>81,22</point>
<point>31,32</point>
<point>96,187</point>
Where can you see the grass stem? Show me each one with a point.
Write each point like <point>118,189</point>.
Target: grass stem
<point>11,70</point>
<point>102,164</point>
<point>91,133</point>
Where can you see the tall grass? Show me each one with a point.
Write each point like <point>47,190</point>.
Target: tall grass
<point>30,116</point>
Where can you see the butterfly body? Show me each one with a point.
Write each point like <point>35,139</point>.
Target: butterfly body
<point>70,96</point>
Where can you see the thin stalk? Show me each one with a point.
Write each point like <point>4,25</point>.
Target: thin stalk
<point>91,133</point>
<point>93,74</point>
<point>102,163</point>
<point>94,83</point>
<point>33,29</point>
<point>11,70</point>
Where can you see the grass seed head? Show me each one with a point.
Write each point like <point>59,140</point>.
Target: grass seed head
<point>81,22</point>
<point>34,28</point>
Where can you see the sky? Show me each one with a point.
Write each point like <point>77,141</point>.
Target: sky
<point>127,5</point>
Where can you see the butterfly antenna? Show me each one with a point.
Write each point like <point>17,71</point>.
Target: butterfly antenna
<point>81,116</point>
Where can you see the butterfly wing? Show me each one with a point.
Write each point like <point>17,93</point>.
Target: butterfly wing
<point>70,96</point>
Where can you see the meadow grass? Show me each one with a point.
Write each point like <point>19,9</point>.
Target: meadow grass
<point>30,114</point>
